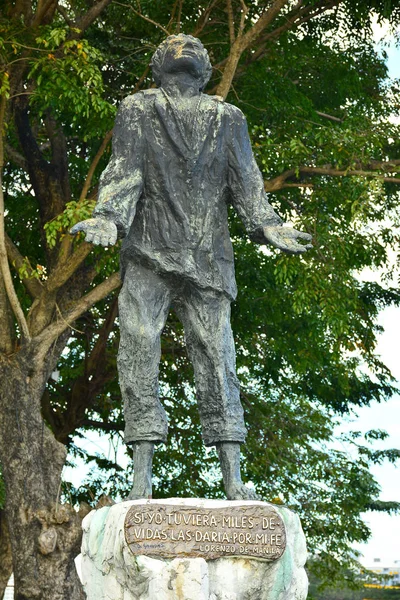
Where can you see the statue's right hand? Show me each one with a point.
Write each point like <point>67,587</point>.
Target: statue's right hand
<point>98,231</point>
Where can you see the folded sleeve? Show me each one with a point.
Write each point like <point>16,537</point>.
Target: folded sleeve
<point>121,183</point>
<point>246,185</point>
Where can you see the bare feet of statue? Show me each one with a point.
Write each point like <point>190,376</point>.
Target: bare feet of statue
<point>142,475</point>
<point>229,458</point>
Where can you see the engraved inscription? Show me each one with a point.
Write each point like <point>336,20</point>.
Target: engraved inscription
<point>171,531</point>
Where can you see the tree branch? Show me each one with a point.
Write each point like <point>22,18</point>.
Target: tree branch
<point>293,20</point>
<point>277,183</point>
<point>7,337</point>
<point>330,117</point>
<point>62,273</point>
<point>59,154</point>
<point>98,371</point>
<point>203,19</point>
<point>142,16</point>
<point>141,79</point>
<point>331,172</point>
<point>22,7</point>
<point>85,389</point>
<point>4,266</point>
<point>47,187</point>
<point>32,283</point>
<point>95,162</point>
<point>173,11</point>
<point>102,425</point>
<point>280,182</point>
<point>243,41</point>
<point>298,185</point>
<point>231,22</point>
<point>99,348</point>
<point>44,6</point>
<point>65,16</point>
<point>15,157</point>
<point>390,166</point>
<point>245,10</point>
<point>264,20</point>
<point>296,17</point>
<point>49,335</point>
<point>179,17</point>
<point>41,313</point>
<point>91,15</point>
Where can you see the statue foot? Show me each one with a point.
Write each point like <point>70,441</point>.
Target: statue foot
<point>238,491</point>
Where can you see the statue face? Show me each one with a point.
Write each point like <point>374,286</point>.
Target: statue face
<point>184,55</point>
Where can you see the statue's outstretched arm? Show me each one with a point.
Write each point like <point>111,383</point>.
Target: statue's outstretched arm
<point>121,183</point>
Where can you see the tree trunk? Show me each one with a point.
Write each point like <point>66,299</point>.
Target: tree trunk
<point>5,554</point>
<point>230,69</point>
<point>45,535</point>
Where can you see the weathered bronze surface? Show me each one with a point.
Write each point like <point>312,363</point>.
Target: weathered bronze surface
<point>171,531</point>
<point>180,158</point>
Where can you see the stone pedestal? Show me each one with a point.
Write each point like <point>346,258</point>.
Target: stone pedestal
<point>111,571</point>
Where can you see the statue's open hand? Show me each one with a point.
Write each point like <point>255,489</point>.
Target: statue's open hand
<point>98,231</point>
<point>287,239</point>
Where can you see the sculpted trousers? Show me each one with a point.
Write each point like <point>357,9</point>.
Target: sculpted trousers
<point>144,303</point>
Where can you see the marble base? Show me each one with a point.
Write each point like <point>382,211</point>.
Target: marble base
<point>111,572</point>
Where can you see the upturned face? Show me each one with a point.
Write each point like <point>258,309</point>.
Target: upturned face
<point>184,55</point>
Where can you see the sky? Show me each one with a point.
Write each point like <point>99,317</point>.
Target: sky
<point>385,540</point>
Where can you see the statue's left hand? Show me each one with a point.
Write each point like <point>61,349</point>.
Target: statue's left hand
<point>287,239</point>
<point>100,232</point>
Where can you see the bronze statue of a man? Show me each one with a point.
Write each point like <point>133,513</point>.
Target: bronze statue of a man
<point>179,157</point>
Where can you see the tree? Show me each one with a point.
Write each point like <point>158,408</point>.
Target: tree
<point>373,587</point>
<point>319,116</point>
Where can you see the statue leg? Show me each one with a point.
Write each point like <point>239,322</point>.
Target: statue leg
<point>205,315</point>
<point>229,458</point>
<point>142,475</point>
<point>143,309</point>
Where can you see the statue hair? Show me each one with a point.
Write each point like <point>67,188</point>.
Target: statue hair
<point>158,59</point>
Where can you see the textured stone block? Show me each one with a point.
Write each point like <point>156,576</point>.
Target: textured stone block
<point>110,571</point>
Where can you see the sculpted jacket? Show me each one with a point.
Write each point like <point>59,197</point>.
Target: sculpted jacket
<point>169,181</point>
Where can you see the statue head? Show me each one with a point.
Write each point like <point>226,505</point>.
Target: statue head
<point>179,54</point>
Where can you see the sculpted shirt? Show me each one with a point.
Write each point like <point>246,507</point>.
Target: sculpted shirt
<point>171,175</point>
